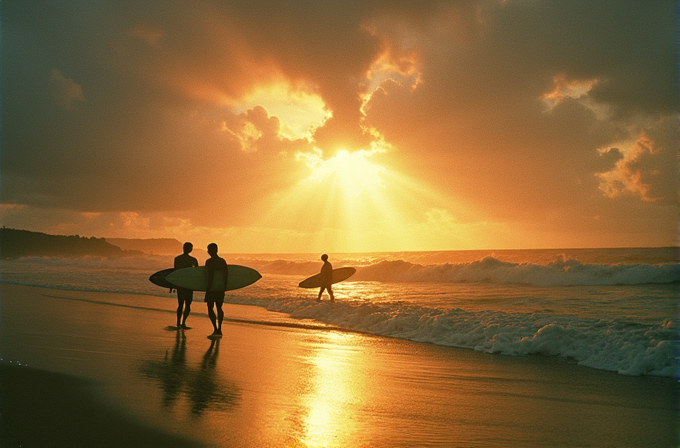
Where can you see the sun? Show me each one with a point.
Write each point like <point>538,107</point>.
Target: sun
<point>356,201</point>
<point>352,173</point>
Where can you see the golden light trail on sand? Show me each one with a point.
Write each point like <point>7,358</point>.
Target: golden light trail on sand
<point>336,393</point>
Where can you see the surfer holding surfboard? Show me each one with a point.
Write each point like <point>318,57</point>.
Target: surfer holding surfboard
<point>326,278</point>
<point>214,278</point>
<point>184,296</point>
<point>214,295</point>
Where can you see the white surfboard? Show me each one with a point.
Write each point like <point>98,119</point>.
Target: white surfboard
<point>196,279</point>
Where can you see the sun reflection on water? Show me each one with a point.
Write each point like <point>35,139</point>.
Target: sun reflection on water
<point>336,392</point>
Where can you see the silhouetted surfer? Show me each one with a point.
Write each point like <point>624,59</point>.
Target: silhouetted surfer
<point>326,277</point>
<point>216,296</point>
<point>184,296</point>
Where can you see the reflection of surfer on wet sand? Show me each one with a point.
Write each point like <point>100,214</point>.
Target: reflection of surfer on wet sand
<point>204,387</point>
<point>207,390</point>
<point>176,370</point>
<point>171,372</point>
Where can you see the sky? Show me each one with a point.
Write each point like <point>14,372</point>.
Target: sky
<point>342,126</point>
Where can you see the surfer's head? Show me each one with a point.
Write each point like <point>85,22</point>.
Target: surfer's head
<point>212,249</point>
<point>188,247</point>
<point>324,257</point>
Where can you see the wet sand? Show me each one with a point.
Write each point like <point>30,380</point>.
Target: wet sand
<point>106,370</point>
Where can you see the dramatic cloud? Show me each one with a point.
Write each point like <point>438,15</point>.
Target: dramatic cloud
<point>360,125</point>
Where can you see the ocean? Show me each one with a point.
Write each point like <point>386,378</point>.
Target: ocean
<point>607,309</point>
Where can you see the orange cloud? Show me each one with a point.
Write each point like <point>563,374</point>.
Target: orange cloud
<point>66,91</point>
<point>642,172</point>
<point>567,88</point>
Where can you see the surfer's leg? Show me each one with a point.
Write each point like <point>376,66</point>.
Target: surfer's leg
<point>320,293</point>
<point>220,318</point>
<point>187,310</point>
<point>330,292</point>
<point>211,315</point>
<point>184,297</point>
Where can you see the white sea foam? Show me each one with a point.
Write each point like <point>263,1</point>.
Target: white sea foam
<point>626,348</point>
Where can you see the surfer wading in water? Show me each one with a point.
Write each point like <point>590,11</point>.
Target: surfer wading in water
<point>184,296</point>
<point>215,297</point>
<point>326,278</point>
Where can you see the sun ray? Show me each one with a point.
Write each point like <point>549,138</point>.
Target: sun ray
<point>354,202</point>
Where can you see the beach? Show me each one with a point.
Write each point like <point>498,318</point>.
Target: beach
<point>103,369</point>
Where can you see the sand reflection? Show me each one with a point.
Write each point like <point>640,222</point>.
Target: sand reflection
<point>200,388</point>
<point>335,394</point>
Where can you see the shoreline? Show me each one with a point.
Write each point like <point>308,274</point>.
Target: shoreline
<point>278,385</point>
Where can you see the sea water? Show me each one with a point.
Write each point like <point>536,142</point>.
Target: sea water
<point>609,309</point>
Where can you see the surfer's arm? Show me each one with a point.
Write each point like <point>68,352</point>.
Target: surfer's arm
<point>226,276</point>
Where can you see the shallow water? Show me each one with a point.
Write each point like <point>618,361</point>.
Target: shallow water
<point>610,309</point>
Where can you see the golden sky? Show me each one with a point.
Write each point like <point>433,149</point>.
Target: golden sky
<point>368,125</point>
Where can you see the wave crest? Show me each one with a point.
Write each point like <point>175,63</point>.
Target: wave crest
<point>491,270</point>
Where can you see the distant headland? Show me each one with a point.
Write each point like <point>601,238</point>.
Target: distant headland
<point>16,243</point>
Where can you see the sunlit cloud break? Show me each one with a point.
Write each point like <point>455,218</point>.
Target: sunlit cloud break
<point>351,171</point>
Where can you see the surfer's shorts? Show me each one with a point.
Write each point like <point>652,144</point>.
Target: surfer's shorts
<point>185,295</point>
<point>214,296</point>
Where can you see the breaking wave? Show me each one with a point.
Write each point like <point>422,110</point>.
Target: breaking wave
<point>562,272</point>
<point>624,347</point>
